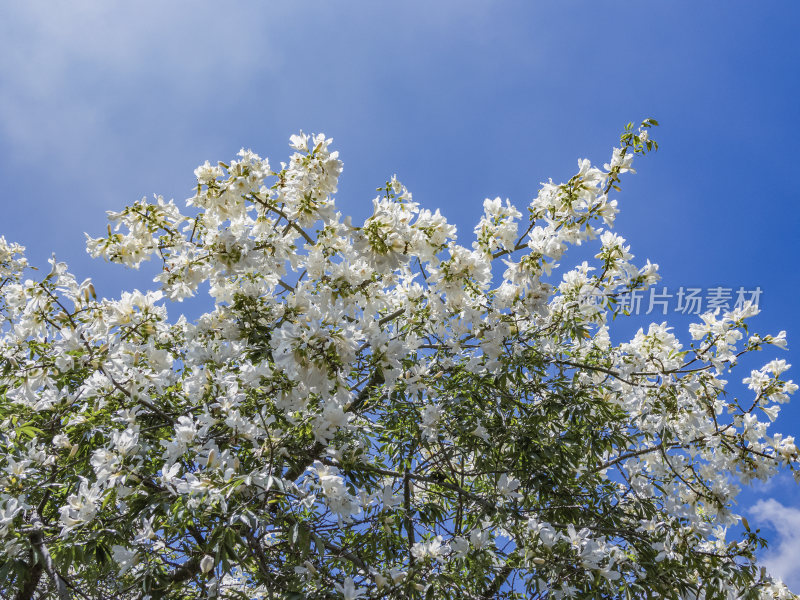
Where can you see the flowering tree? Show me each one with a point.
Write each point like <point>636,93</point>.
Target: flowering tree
<point>373,411</point>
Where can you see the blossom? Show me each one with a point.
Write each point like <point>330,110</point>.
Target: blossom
<point>81,508</point>
<point>9,511</point>
<point>124,557</point>
<point>355,392</point>
<point>207,563</point>
<point>431,415</point>
<point>432,548</point>
<point>507,487</point>
<point>349,590</point>
<point>335,490</point>
<point>459,546</point>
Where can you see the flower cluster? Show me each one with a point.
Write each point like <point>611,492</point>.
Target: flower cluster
<point>375,410</point>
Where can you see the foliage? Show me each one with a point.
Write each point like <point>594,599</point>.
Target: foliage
<point>373,411</point>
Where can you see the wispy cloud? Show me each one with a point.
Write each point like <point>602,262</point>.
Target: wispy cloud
<point>71,69</point>
<point>781,560</point>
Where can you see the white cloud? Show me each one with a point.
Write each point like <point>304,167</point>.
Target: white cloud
<point>781,560</point>
<point>80,78</point>
<point>72,70</point>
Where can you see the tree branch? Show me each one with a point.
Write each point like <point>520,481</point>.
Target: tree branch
<point>496,583</point>
<point>36,536</point>
<point>31,582</point>
<point>315,452</point>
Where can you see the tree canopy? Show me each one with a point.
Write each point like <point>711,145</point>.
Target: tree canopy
<point>374,411</point>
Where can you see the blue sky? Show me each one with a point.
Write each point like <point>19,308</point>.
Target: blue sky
<point>102,103</point>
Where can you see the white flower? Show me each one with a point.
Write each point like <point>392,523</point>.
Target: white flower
<point>207,563</point>
<point>185,430</point>
<point>479,538</point>
<point>431,416</point>
<point>80,508</point>
<point>460,546</point>
<point>397,575</point>
<point>349,590</point>
<point>432,548</point>
<point>620,160</point>
<point>389,499</point>
<point>507,487</point>
<point>335,491</point>
<point>206,173</point>
<point>124,557</point>
<point>11,509</point>
<point>299,142</point>
<point>480,431</point>
<point>380,580</point>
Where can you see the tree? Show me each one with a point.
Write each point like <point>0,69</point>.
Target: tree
<point>373,411</point>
